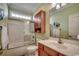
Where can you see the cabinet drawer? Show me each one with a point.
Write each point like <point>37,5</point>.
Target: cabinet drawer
<point>50,52</point>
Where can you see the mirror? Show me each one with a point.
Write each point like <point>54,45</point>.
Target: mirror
<point>68,19</point>
<point>0,37</point>
<point>1,14</point>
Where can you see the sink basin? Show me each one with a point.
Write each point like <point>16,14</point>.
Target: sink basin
<point>60,46</point>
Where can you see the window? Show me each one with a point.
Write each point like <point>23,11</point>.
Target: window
<point>20,16</point>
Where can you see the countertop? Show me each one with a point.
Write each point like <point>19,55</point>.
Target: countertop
<point>64,48</point>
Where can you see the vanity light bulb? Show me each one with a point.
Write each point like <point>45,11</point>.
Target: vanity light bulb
<point>57,6</point>
<point>53,5</point>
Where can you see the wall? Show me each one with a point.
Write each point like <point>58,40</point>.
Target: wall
<point>47,28</point>
<point>3,23</point>
<point>63,16</point>
<point>11,10</point>
<point>26,25</point>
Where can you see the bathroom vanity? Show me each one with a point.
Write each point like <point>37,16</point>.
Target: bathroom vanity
<point>51,47</point>
<point>46,51</point>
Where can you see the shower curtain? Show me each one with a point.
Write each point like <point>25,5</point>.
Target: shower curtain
<point>16,34</point>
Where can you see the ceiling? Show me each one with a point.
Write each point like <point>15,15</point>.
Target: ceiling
<point>26,7</point>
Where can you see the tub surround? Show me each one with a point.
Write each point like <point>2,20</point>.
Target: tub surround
<point>65,48</point>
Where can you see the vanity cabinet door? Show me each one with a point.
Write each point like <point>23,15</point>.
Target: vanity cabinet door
<point>61,54</point>
<point>46,51</point>
<point>40,49</point>
<point>40,46</point>
<point>50,52</point>
<point>42,53</point>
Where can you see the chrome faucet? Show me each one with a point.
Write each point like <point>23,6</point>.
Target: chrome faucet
<point>59,40</point>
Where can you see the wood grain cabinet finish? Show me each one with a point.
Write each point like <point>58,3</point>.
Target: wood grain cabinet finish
<point>40,19</point>
<point>46,51</point>
<point>50,52</point>
<point>61,54</point>
<point>42,53</point>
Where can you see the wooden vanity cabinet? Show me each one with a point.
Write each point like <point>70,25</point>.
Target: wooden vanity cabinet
<point>46,51</point>
<point>39,22</point>
<point>60,54</point>
<point>41,50</point>
<point>50,52</point>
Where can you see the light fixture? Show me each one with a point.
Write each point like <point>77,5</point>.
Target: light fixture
<point>57,6</point>
<point>20,16</point>
<point>53,5</point>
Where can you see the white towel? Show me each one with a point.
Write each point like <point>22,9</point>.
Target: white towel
<point>56,32</point>
<point>4,37</point>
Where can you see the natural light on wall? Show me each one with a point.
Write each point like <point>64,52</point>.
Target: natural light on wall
<point>20,16</point>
